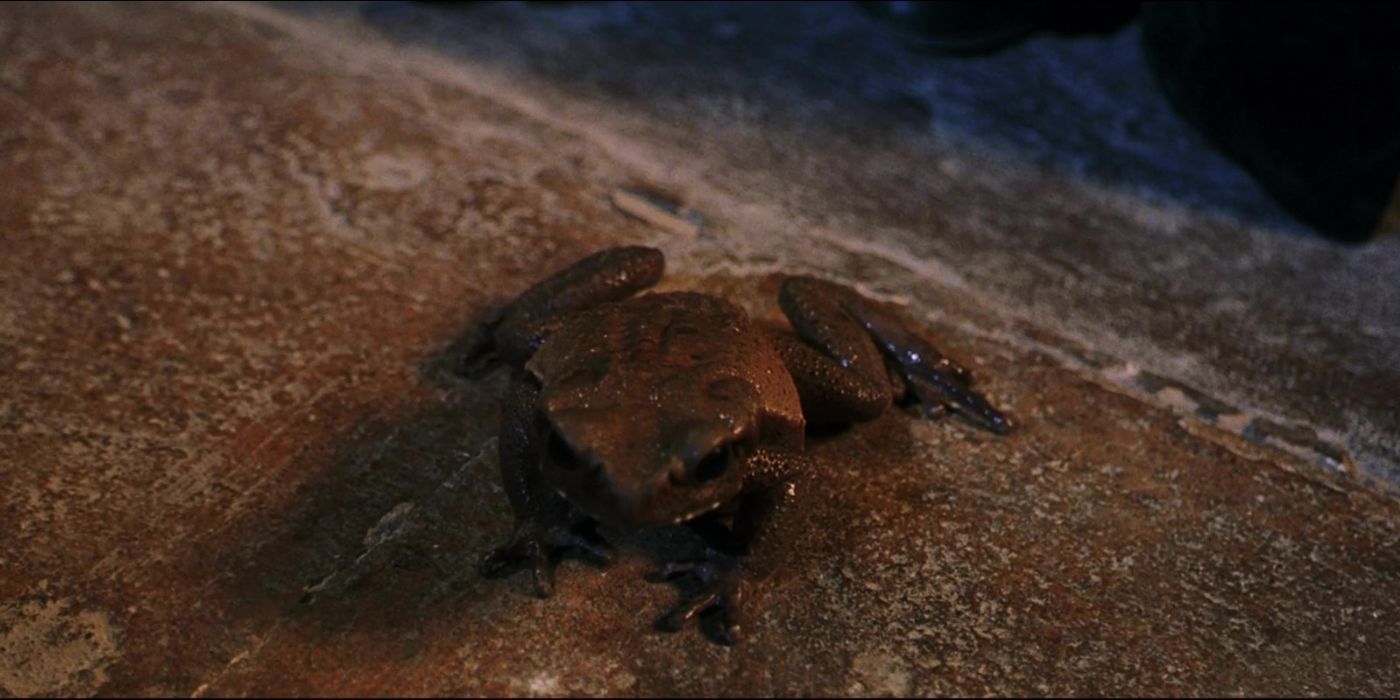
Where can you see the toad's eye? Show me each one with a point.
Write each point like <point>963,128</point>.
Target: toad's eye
<point>713,466</point>
<point>560,454</point>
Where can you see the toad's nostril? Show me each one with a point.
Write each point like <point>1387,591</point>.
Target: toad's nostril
<point>676,474</point>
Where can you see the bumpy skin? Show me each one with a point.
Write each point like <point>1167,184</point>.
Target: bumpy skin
<point>673,408</point>
<point>640,392</point>
<point>829,316</point>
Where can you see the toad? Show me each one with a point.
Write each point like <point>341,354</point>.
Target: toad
<point>642,411</point>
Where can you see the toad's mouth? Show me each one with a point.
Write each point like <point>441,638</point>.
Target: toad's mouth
<point>668,494</point>
<point>632,524</point>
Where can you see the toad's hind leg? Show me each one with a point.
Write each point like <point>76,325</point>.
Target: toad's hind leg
<point>832,393</point>
<point>846,327</point>
<point>610,275</point>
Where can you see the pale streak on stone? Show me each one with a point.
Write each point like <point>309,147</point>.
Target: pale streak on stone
<point>644,209</point>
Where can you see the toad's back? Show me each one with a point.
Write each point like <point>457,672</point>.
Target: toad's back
<point>673,351</point>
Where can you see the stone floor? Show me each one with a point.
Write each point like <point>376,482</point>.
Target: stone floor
<point>241,242</point>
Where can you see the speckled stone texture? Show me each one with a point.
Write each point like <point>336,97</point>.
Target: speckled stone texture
<point>241,242</point>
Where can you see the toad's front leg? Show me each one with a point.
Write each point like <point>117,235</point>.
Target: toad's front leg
<point>739,557</point>
<point>545,524</point>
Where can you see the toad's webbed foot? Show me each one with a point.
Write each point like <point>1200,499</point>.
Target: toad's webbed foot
<point>722,583</point>
<point>477,354</point>
<point>538,545</point>
<point>938,388</point>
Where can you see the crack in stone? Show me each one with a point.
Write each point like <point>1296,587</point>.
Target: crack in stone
<point>394,527</point>
<point>238,658</point>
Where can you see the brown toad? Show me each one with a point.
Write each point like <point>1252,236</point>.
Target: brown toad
<point>639,411</point>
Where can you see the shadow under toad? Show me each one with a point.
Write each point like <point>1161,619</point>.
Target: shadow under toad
<point>386,538</point>
<point>389,523</point>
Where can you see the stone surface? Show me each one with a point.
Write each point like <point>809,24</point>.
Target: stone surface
<point>241,242</point>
